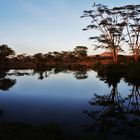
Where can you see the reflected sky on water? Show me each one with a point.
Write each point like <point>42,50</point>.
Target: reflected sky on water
<point>55,98</point>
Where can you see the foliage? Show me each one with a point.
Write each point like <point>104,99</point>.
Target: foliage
<point>80,52</point>
<point>131,16</point>
<point>5,51</point>
<point>115,27</point>
<point>110,28</point>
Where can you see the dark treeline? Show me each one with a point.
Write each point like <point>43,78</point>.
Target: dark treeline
<point>9,60</point>
<point>66,59</point>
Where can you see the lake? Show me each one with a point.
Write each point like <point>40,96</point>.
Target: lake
<point>79,101</point>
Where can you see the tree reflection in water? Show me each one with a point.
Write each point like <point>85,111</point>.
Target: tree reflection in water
<point>6,83</point>
<point>80,74</point>
<point>114,115</point>
<point>42,73</point>
<point>133,100</point>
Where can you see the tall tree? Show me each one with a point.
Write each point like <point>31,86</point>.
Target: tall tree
<point>131,16</point>
<point>109,28</point>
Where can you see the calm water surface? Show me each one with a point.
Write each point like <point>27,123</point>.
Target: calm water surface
<point>47,97</point>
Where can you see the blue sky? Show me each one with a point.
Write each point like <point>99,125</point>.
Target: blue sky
<point>31,26</point>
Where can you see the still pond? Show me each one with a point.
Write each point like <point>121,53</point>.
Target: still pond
<point>79,101</point>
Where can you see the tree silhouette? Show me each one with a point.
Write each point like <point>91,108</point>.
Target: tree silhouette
<point>6,83</point>
<point>132,77</point>
<point>81,74</point>
<point>133,101</point>
<point>5,51</point>
<point>110,28</point>
<point>113,114</point>
<point>80,52</point>
<point>131,16</point>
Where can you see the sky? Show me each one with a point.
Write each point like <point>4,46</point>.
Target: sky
<point>32,26</point>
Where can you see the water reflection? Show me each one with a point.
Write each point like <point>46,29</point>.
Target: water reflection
<point>42,74</point>
<point>62,96</point>
<point>6,83</point>
<point>81,74</point>
<point>1,112</point>
<point>113,114</point>
<point>133,100</point>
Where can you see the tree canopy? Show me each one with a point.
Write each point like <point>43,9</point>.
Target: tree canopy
<point>5,51</point>
<point>115,26</point>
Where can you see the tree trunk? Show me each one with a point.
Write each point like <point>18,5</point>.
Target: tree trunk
<point>136,55</point>
<point>115,56</point>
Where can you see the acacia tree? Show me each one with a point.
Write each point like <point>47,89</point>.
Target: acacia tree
<point>80,52</point>
<point>109,28</point>
<point>131,16</point>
